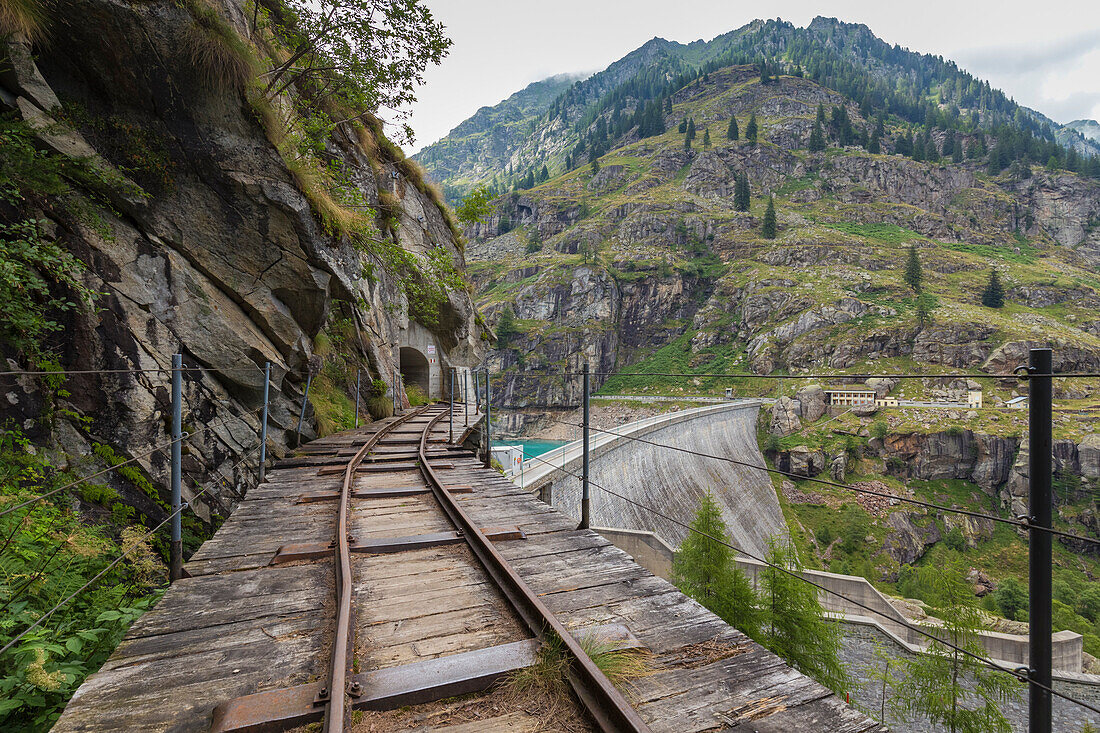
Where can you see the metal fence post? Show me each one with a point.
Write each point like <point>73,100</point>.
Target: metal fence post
<point>488,423</point>
<point>465,397</point>
<point>358,376</point>
<point>302,414</point>
<point>585,498</point>
<point>1040,508</point>
<point>175,551</point>
<point>263,423</point>
<point>451,417</point>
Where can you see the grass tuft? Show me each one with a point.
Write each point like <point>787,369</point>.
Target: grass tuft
<point>25,17</point>
<point>225,60</point>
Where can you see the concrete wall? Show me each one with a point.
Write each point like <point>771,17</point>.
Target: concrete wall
<point>417,337</point>
<point>649,551</point>
<point>668,480</point>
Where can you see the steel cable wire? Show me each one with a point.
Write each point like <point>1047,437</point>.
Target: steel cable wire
<point>123,555</point>
<point>988,662</point>
<point>158,447</point>
<point>926,504</point>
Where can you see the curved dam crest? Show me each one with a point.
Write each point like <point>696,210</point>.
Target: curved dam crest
<point>670,481</point>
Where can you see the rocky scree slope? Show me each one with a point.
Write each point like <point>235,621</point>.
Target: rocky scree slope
<point>200,236</point>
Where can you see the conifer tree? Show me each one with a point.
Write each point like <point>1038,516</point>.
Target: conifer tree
<point>706,139</point>
<point>875,144</point>
<point>914,274</point>
<point>768,226</point>
<point>994,294</point>
<point>742,197</point>
<point>817,139</point>
<point>934,691</point>
<point>683,126</point>
<point>957,151</point>
<point>795,626</point>
<point>704,569</point>
<point>926,303</point>
<point>732,133</point>
<point>595,166</point>
<point>750,129</point>
<point>506,327</point>
<point>691,128</point>
<point>821,114</point>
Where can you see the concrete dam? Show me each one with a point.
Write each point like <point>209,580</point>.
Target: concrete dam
<point>668,480</point>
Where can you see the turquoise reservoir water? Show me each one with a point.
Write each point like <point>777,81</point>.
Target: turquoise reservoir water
<point>532,447</point>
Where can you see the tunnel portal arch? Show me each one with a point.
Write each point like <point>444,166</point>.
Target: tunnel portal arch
<point>415,369</point>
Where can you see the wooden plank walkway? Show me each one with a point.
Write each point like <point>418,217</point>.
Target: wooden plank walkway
<point>239,626</point>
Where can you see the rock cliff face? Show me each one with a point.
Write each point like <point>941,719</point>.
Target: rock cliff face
<point>207,247</point>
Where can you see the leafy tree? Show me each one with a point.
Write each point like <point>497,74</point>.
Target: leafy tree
<point>742,196</point>
<point>817,139</point>
<point>732,132</point>
<point>926,303</point>
<point>994,294</point>
<point>750,129</point>
<point>934,691</point>
<point>476,207</point>
<point>1011,598</point>
<point>370,54</point>
<point>706,139</point>
<point>795,626</point>
<point>768,226</point>
<point>914,274</point>
<point>704,569</point>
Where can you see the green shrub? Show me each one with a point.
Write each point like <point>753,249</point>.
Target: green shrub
<point>415,395</point>
<point>955,540</point>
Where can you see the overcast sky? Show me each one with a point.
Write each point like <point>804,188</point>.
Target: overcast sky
<point>1046,54</point>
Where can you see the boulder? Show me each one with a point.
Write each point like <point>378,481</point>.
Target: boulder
<point>881,386</point>
<point>785,417</point>
<point>907,542</point>
<point>982,583</point>
<point>813,402</point>
<point>839,467</point>
<point>804,462</point>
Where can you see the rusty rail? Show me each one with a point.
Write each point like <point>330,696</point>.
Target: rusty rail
<point>601,699</point>
<point>344,641</point>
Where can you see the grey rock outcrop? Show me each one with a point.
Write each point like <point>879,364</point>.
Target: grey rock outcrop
<point>812,401</point>
<point>785,417</point>
<point>207,245</point>
<point>907,541</point>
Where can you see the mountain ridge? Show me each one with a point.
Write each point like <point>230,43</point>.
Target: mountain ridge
<point>460,164</point>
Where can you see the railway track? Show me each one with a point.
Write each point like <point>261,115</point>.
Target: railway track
<point>395,481</point>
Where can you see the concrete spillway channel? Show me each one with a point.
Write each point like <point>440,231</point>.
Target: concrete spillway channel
<point>669,480</point>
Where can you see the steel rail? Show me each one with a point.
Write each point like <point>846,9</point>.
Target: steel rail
<point>338,691</point>
<point>607,706</point>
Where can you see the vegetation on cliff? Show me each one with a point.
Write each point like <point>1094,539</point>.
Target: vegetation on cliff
<point>87,175</point>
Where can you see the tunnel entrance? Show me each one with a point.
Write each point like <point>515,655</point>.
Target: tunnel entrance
<point>414,369</point>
